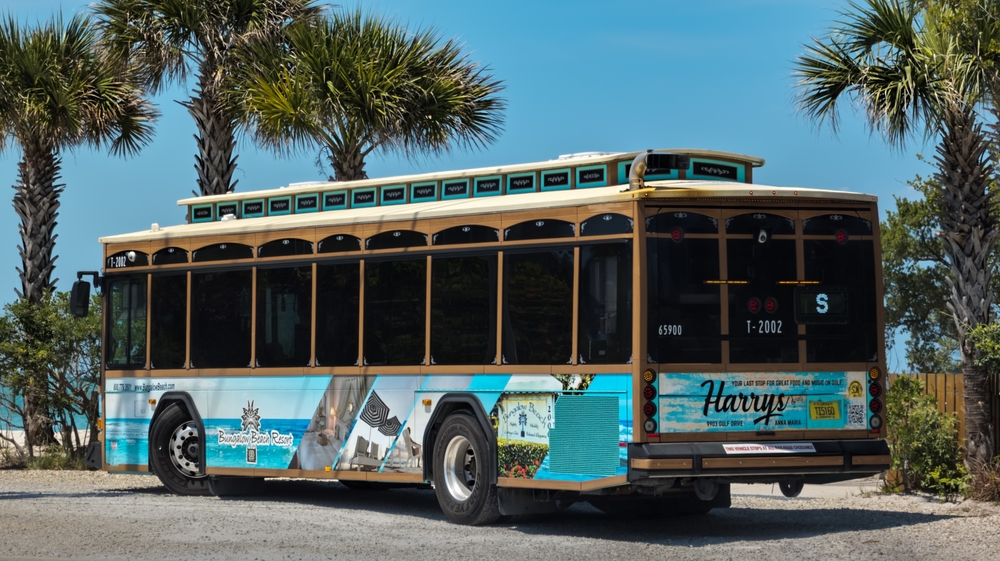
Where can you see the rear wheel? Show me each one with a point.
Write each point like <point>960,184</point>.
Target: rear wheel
<point>461,482</point>
<point>791,488</point>
<point>175,452</point>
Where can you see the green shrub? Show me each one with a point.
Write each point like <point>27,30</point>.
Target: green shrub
<point>923,441</point>
<point>56,457</point>
<point>520,459</point>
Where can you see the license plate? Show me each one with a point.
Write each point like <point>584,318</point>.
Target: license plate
<point>824,410</point>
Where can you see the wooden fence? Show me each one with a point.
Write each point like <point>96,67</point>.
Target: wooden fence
<point>950,393</point>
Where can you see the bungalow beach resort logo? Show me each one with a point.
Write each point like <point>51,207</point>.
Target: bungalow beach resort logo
<point>250,435</point>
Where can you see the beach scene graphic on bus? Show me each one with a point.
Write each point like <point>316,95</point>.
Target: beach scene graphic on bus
<point>331,423</point>
<point>377,423</point>
<point>372,443</point>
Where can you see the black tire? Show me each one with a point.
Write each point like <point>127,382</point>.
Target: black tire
<point>174,452</point>
<point>791,489</point>
<point>461,468</point>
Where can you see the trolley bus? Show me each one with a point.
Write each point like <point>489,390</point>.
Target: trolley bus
<point>636,330</point>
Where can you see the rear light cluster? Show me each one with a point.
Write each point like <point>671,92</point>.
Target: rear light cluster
<point>874,405</point>
<point>769,305</point>
<point>649,394</point>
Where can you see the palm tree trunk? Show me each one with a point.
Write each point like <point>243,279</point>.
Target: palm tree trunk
<point>36,202</point>
<point>348,164</point>
<point>969,230</point>
<point>216,138</point>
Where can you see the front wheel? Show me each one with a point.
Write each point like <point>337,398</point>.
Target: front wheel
<point>174,452</point>
<point>461,456</point>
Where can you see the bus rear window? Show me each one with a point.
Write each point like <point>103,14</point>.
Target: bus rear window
<point>848,269</point>
<point>684,306</point>
<point>761,291</point>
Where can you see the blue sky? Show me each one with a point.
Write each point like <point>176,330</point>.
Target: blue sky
<point>580,76</point>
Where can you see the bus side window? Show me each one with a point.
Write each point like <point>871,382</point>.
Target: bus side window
<point>284,316</point>
<point>126,340</point>
<point>338,290</point>
<point>395,307</point>
<point>220,319</point>
<point>538,307</point>
<point>605,332</point>
<point>168,321</point>
<point>464,310</point>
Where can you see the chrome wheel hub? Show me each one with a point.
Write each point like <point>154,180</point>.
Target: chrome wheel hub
<point>460,468</point>
<point>184,449</point>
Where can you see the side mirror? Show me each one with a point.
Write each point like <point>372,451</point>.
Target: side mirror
<point>79,299</point>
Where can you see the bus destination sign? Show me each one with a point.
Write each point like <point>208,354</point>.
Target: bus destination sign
<point>820,305</point>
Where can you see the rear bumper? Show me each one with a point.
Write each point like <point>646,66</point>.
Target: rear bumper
<point>833,460</point>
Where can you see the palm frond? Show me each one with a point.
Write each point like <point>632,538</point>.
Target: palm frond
<point>891,59</point>
<point>355,83</point>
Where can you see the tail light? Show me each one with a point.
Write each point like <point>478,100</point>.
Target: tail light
<point>649,392</point>
<point>754,305</point>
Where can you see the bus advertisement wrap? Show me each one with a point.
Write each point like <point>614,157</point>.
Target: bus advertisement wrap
<point>755,401</point>
<point>377,423</point>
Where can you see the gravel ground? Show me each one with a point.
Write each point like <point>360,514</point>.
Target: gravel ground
<point>48,515</point>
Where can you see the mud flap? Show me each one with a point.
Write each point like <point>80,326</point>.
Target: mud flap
<point>95,455</point>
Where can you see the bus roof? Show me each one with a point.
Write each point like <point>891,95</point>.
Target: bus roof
<point>569,160</point>
<point>570,172</point>
<point>665,190</point>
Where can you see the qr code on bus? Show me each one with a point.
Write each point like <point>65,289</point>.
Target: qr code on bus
<point>855,414</point>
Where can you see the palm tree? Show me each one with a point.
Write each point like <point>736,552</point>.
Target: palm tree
<point>354,84</point>
<point>58,90</point>
<point>903,67</point>
<point>169,38</point>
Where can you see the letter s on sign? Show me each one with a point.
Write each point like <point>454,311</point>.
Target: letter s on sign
<point>822,305</point>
